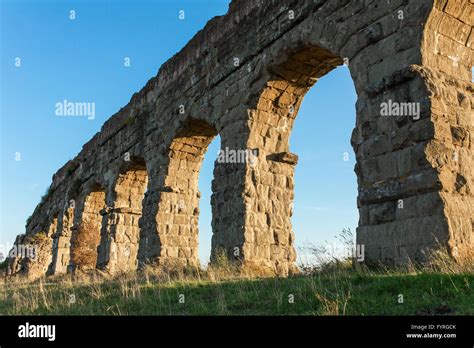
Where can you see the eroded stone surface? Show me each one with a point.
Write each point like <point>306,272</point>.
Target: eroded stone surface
<point>244,77</point>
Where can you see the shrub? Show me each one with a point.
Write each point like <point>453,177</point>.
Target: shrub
<point>128,120</point>
<point>46,195</point>
<point>37,238</point>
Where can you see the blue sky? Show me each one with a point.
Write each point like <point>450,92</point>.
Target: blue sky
<point>83,60</point>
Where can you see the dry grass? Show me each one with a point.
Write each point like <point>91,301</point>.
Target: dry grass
<point>440,261</point>
<point>334,287</point>
<point>333,306</point>
<point>334,292</point>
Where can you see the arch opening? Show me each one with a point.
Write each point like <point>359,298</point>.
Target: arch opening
<point>269,238</point>
<point>325,215</point>
<point>206,177</point>
<point>288,84</point>
<point>178,211</point>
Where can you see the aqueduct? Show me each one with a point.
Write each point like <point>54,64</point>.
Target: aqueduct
<point>244,77</point>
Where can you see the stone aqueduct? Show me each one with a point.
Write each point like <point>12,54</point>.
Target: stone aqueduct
<point>244,77</point>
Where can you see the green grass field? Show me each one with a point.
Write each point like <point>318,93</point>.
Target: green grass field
<point>332,286</point>
<point>339,292</point>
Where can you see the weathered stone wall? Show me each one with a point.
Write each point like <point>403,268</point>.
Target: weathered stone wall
<point>448,53</point>
<point>244,77</point>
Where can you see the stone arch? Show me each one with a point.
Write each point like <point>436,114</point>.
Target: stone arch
<point>121,234</point>
<point>398,50</point>
<point>86,231</point>
<point>267,241</point>
<point>393,153</point>
<point>280,99</point>
<point>178,207</point>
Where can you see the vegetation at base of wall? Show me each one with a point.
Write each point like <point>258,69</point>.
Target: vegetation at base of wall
<point>335,289</point>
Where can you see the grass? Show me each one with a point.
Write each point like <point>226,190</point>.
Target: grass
<point>335,292</point>
<point>334,287</point>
